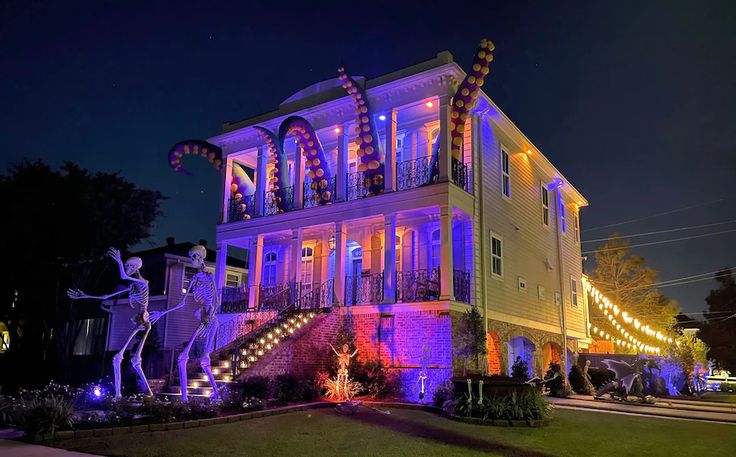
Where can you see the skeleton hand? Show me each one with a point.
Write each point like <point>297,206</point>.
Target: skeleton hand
<point>155,316</point>
<point>114,254</point>
<point>75,294</point>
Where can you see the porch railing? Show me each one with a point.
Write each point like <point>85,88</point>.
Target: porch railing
<point>234,299</point>
<point>358,185</point>
<point>367,289</point>
<point>412,173</point>
<point>461,285</point>
<point>278,201</point>
<point>310,191</point>
<point>417,285</point>
<point>241,209</point>
<point>461,176</point>
<point>276,297</point>
<point>318,298</point>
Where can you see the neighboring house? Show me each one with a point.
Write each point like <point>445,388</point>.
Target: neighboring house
<point>168,271</point>
<point>499,229</point>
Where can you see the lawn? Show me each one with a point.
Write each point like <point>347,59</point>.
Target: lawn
<point>719,397</point>
<point>410,432</point>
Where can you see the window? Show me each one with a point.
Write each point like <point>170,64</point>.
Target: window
<point>563,219</point>
<point>522,284</point>
<point>545,205</point>
<point>232,280</point>
<point>269,269</point>
<point>189,273</point>
<point>307,269</point>
<point>505,173</point>
<point>434,261</point>
<point>399,148</point>
<point>398,253</point>
<point>574,291</point>
<point>496,256</point>
<point>576,225</point>
<point>541,292</point>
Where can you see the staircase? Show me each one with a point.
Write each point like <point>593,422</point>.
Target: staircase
<point>231,361</point>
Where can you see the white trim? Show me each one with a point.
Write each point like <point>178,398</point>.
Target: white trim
<point>574,292</point>
<point>521,284</point>
<point>505,173</point>
<point>494,256</point>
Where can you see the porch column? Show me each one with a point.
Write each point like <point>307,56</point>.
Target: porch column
<point>255,267</point>
<point>341,238</point>
<point>445,155</point>
<point>389,162</point>
<point>298,179</point>
<point>261,180</point>
<point>221,265</point>
<point>226,190</point>
<point>295,269</point>
<point>342,164</point>
<point>447,291</point>
<point>389,258</point>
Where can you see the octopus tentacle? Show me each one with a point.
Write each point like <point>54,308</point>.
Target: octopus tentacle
<point>316,160</point>
<point>194,147</point>
<point>369,146</point>
<point>280,178</point>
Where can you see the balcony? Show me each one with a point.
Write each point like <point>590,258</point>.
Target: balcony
<point>358,185</point>
<point>364,290</point>
<point>411,174</point>
<point>309,193</point>
<point>234,299</point>
<point>241,209</point>
<point>417,285</point>
<point>462,176</point>
<point>278,201</point>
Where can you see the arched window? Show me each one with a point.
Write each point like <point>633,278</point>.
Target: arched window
<point>434,250</point>
<point>398,253</point>
<point>269,269</point>
<point>307,269</point>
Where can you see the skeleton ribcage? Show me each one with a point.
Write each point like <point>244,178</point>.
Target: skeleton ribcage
<point>139,295</point>
<point>204,290</point>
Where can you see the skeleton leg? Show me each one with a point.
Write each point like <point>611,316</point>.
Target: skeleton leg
<point>136,360</point>
<point>183,359</point>
<point>204,362</point>
<point>117,360</point>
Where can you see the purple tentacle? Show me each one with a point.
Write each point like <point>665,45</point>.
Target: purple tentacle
<point>194,147</point>
<point>280,178</point>
<point>316,160</point>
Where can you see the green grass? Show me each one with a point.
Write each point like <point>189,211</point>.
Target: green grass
<point>719,397</point>
<point>416,433</point>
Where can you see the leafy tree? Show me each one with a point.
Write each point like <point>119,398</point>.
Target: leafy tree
<point>690,354</point>
<point>470,338</point>
<point>57,227</point>
<point>719,330</point>
<point>627,281</point>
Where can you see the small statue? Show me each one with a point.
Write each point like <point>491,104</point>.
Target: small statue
<point>343,361</point>
<point>138,296</point>
<point>203,288</point>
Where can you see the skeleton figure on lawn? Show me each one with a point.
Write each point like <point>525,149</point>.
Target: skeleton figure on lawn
<point>202,286</point>
<point>138,296</point>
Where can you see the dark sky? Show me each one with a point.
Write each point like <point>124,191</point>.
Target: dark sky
<point>635,102</point>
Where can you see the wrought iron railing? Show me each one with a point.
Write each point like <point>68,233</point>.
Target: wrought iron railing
<point>461,285</point>
<point>310,192</point>
<point>278,201</point>
<point>461,176</point>
<point>234,299</point>
<point>318,298</point>
<point>412,173</point>
<point>241,209</point>
<point>364,289</point>
<point>358,185</point>
<point>417,285</point>
<point>275,297</point>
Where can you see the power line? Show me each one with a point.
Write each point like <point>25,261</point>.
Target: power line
<point>673,211</point>
<point>679,229</point>
<point>661,242</point>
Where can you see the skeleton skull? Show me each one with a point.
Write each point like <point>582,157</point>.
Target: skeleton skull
<point>132,265</point>
<point>197,255</point>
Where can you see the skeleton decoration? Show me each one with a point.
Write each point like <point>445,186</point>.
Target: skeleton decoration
<point>343,363</point>
<point>202,286</point>
<point>138,296</point>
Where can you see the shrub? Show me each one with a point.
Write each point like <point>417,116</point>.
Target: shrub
<point>255,386</point>
<point>252,404</point>
<point>444,393</point>
<point>375,380</point>
<point>286,388</point>
<point>43,414</point>
<point>557,386</point>
<point>525,405</point>
<point>520,369</point>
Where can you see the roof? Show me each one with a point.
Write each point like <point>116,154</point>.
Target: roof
<point>182,250</point>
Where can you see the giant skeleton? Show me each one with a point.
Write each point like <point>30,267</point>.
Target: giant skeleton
<point>202,286</point>
<point>138,296</point>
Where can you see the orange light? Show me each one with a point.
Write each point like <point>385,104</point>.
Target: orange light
<point>529,152</point>
<point>337,130</point>
<point>429,104</point>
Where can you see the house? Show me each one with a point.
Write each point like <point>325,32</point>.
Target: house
<point>496,225</point>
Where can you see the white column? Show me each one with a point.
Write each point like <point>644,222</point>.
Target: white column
<point>295,267</point>
<point>341,238</point>
<point>389,162</point>
<point>447,291</point>
<point>389,258</point>
<point>298,179</point>
<point>221,266</point>
<point>228,178</point>
<point>261,180</point>
<point>445,157</point>
<point>255,267</point>
<point>342,164</point>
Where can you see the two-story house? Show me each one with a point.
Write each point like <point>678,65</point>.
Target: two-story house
<point>495,226</point>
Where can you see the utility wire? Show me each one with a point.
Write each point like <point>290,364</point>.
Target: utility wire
<point>661,242</point>
<point>679,229</point>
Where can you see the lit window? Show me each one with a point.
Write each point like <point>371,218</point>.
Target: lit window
<point>574,291</point>
<point>505,174</point>
<point>307,269</point>
<point>398,253</point>
<point>496,256</point>
<point>189,273</point>
<point>545,205</point>
<point>576,225</point>
<point>435,251</point>
<point>269,269</point>
<point>232,280</point>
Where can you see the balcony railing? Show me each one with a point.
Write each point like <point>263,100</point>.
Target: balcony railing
<point>318,298</point>
<point>412,173</point>
<point>462,176</point>
<point>276,297</point>
<point>366,289</point>
<point>278,201</point>
<point>234,299</point>
<point>241,209</point>
<point>310,192</point>
<point>417,285</point>
<point>461,285</point>
<point>358,185</point>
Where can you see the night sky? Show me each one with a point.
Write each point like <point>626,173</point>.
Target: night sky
<point>635,102</point>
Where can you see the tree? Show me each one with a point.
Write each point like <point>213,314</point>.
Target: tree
<point>690,355</point>
<point>57,225</point>
<point>470,338</point>
<point>628,282</point>
<point>719,330</point>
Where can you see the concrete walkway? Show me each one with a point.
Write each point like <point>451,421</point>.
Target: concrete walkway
<point>665,408</point>
<point>10,448</point>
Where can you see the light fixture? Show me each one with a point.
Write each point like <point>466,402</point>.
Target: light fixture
<point>331,242</point>
<point>338,130</point>
<point>429,104</point>
<point>529,152</point>
<point>382,117</point>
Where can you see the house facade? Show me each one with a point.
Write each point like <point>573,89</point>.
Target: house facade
<point>497,226</point>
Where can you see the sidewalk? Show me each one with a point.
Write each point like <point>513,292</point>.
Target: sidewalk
<point>10,448</point>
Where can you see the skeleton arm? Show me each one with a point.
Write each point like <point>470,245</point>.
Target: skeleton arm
<point>156,315</point>
<point>76,294</point>
<point>334,350</point>
<point>115,255</point>
<point>353,354</point>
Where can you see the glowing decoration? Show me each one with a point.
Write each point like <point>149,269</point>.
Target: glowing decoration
<point>316,159</point>
<point>370,150</point>
<point>342,388</point>
<point>209,151</point>
<point>138,294</point>
<point>626,375</point>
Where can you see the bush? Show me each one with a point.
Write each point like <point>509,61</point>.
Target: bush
<point>255,386</point>
<point>377,382</point>
<point>520,369</point>
<point>600,376</point>
<point>525,405</point>
<point>557,387</point>
<point>727,387</point>
<point>43,415</point>
<point>444,393</point>
<point>286,388</point>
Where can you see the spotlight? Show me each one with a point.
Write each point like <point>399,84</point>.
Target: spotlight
<point>429,104</point>
<point>382,117</point>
